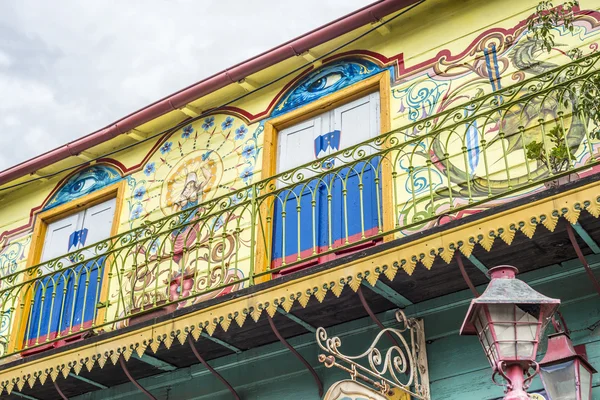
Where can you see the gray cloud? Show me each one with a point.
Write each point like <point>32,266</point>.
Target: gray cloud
<point>70,67</point>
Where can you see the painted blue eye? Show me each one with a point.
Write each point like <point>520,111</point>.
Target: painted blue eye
<point>87,181</point>
<point>83,185</point>
<point>324,82</point>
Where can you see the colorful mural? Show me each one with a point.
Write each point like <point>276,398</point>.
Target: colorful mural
<point>205,159</point>
<point>470,162</point>
<point>326,80</point>
<point>175,242</point>
<point>82,183</point>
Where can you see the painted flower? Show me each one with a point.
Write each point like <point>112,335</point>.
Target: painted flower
<point>136,212</point>
<point>241,132</point>
<point>228,123</point>
<point>218,223</point>
<point>206,155</point>
<point>249,150</point>
<point>247,173</point>
<point>187,131</point>
<point>139,193</point>
<point>154,246</point>
<point>166,147</point>
<point>150,168</point>
<point>208,123</point>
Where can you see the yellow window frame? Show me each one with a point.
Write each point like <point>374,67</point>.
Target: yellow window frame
<point>42,220</point>
<point>376,83</point>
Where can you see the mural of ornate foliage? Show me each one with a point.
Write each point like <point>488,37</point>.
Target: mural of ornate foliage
<point>486,153</point>
<point>11,257</point>
<point>203,160</point>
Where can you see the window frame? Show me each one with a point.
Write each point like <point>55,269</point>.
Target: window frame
<point>379,82</point>
<point>41,222</point>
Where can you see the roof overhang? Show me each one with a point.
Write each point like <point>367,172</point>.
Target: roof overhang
<point>305,291</point>
<point>369,14</point>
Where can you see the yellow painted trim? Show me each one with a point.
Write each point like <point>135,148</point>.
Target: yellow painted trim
<point>463,238</point>
<point>42,220</point>
<point>376,83</point>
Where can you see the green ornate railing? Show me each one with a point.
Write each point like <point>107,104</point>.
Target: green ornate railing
<point>490,149</point>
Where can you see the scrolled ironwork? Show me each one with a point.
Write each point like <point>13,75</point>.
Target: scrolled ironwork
<point>428,170</point>
<point>398,366</point>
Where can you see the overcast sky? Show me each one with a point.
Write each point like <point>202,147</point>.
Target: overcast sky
<point>70,67</point>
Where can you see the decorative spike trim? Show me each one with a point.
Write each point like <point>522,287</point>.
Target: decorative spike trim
<point>504,225</point>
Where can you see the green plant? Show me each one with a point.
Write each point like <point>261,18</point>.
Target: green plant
<point>585,100</point>
<point>588,103</point>
<point>554,152</point>
<point>547,17</point>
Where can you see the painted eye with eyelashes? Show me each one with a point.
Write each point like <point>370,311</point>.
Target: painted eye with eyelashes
<point>85,182</point>
<point>324,82</point>
<point>83,185</point>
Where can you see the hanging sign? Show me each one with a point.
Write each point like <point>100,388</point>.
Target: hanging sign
<point>352,390</point>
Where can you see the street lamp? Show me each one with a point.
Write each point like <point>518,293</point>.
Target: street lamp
<point>509,318</point>
<point>565,374</point>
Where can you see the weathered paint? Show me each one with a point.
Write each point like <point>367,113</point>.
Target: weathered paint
<point>457,366</point>
<point>431,70</point>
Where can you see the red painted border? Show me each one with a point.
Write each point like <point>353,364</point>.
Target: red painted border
<point>402,73</point>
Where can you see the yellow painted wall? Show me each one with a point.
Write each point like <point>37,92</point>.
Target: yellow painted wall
<point>436,55</point>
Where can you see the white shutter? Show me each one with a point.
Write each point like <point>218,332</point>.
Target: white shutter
<point>58,232</point>
<point>297,143</point>
<point>357,120</point>
<point>98,221</point>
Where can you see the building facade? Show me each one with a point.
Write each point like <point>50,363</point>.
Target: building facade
<point>382,162</point>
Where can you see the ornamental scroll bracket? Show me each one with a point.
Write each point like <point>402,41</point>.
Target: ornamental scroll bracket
<point>398,371</point>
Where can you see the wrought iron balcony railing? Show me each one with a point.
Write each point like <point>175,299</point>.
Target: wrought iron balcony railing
<point>505,144</point>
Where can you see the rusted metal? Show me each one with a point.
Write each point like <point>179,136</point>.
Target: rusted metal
<point>365,305</point>
<point>62,395</point>
<point>132,379</point>
<point>211,369</point>
<point>464,274</point>
<point>298,356</point>
<point>582,258</point>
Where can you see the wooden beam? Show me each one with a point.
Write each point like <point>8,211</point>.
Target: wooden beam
<point>388,293</point>
<point>191,111</point>
<point>222,343</point>
<point>39,176</point>
<point>136,135</point>
<point>248,85</point>
<point>23,395</point>
<point>86,156</point>
<point>383,30</point>
<point>155,362</point>
<point>480,266</point>
<point>89,381</point>
<point>297,320</point>
<point>311,57</point>
<point>586,238</point>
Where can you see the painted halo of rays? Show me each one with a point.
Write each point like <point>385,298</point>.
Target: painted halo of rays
<point>212,157</point>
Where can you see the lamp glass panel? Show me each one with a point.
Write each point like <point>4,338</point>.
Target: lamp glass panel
<point>485,336</point>
<point>527,327</point>
<point>559,381</point>
<point>516,329</point>
<point>502,319</point>
<point>585,382</point>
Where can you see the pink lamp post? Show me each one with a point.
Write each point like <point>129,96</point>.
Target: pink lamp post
<point>509,318</point>
<point>566,374</point>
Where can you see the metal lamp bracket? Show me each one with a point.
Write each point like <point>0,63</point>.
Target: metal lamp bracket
<point>401,366</point>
